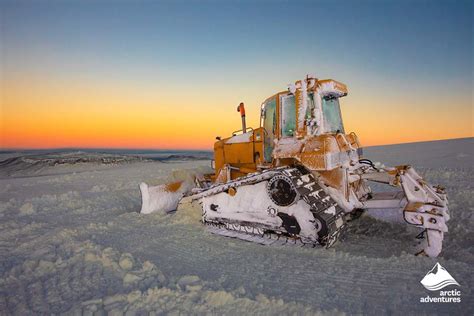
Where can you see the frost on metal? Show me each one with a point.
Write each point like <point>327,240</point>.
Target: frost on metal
<point>241,138</point>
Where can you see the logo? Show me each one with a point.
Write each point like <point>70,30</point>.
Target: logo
<point>436,279</point>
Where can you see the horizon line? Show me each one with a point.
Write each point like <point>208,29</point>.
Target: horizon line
<point>190,149</point>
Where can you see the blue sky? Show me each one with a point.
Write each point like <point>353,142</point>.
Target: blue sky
<point>235,32</point>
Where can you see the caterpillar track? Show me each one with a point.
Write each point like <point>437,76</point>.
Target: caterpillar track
<point>323,207</point>
<point>285,187</point>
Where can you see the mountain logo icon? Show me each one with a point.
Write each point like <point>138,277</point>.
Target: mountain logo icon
<point>438,278</point>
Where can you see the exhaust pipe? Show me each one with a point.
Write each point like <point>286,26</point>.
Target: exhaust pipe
<point>241,109</point>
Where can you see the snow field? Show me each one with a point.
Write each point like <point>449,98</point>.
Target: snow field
<point>71,241</point>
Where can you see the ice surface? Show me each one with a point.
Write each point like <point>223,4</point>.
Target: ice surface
<point>71,240</point>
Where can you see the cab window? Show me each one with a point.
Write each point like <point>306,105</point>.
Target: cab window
<point>269,124</point>
<point>332,115</point>
<point>288,116</point>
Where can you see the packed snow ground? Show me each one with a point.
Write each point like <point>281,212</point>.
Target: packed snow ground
<point>71,240</point>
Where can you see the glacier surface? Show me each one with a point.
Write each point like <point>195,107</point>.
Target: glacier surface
<point>72,241</point>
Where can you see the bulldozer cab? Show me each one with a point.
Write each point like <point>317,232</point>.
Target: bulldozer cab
<point>279,117</point>
<point>287,118</point>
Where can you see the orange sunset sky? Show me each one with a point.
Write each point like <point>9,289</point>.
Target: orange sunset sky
<point>170,76</point>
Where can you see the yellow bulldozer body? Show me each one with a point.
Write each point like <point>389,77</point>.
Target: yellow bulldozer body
<point>244,153</point>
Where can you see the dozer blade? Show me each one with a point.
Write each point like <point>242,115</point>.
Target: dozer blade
<point>164,197</point>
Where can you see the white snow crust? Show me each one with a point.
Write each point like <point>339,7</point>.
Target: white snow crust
<point>72,241</point>
<point>241,138</point>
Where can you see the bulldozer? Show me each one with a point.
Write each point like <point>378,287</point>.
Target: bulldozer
<point>300,178</point>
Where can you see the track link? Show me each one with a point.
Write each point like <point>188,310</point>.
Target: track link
<point>321,205</point>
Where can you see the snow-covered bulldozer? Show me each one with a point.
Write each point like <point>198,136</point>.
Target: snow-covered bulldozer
<point>299,177</point>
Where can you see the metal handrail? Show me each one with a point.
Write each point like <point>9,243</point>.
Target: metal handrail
<point>241,130</point>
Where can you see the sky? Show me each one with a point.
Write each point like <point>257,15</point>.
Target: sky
<point>170,74</point>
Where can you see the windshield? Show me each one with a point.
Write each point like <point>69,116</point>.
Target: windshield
<point>288,115</point>
<point>332,115</point>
